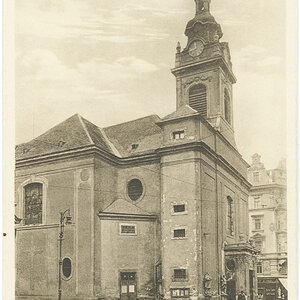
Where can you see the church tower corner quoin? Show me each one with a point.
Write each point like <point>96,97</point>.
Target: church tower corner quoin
<point>158,207</point>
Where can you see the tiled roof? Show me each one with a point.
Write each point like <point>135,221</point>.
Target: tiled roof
<point>143,133</point>
<point>75,132</point>
<point>182,111</point>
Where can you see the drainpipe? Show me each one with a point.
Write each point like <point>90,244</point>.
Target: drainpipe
<point>217,216</point>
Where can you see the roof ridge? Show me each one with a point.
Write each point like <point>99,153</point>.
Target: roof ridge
<point>153,115</point>
<point>111,145</point>
<point>85,129</point>
<point>48,130</point>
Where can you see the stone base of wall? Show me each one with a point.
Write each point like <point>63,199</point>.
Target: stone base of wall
<point>55,298</point>
<point>70,298</point>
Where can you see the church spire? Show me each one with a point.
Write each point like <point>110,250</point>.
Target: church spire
<point>202,5</point>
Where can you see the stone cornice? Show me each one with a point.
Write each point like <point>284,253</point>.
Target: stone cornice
<point>85,151</point>
<point>124,216</point>
<point>38,227</point>
<point>239,249</point>
<point>201,146</point>
<point>218,58</point>
<point>267,186</point>
<point>210,127</point>
<point>152,157</point>
<point>143,158</point>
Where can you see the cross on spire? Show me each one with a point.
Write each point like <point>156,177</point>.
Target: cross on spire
<point>202,5</point>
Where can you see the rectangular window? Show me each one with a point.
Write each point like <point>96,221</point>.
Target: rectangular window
<point>258,245</point>
<point>259,268</point>
<point>256,176</point>
<point>257,202</point>
<point>180,293</point>
<point>179,208</point>
<point>179,233</point>
<point>179,274</point>
<point>178,135</point>
<point>257,222</point>
<point>230,230</point>
<point>128,229</point>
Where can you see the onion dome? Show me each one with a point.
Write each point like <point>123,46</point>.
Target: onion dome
<point>203,26</point>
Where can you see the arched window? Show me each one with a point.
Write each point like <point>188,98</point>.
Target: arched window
<point>227,109</point>
<point>198,98</point>
<point>33,203</point>
<point>229,216</point>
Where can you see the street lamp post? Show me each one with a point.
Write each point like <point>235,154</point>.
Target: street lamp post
<point>65,217</point>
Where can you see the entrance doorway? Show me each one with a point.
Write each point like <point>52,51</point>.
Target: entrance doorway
<point>251,281</point>
<point>231,290</point>
<point>128,285</point>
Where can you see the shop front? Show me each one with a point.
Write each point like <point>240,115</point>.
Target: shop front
<point>272,288</point>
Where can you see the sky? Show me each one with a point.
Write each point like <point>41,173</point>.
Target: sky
<point>110,62</point>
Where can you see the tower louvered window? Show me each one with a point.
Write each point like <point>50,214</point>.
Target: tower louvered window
<point>227,106</point>
<point>198,99</point>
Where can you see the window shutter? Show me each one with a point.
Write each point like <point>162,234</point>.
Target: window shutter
<point>198,99</point>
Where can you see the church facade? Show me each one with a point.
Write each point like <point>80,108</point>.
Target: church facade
<point>155,207</point>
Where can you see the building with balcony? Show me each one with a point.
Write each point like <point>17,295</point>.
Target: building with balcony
<point>268,226</point>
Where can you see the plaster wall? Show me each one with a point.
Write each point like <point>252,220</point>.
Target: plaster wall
<point>66,185</point>
<point>119,253</point>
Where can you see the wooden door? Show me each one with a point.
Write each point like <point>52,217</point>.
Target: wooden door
<point>128,286</point>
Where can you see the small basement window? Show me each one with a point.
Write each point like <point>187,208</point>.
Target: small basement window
<point>180,293</point>
<point>178,135</point>
<point>127,229</point>
<point>179,274</point>
<point>179,233</point>
<point>179,208</point>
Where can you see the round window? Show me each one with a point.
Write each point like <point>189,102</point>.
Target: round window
<point>67,267</point>
<point>134,189</point>
<point>230,265</point>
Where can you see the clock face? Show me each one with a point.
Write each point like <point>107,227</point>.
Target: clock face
<point>196,48</point>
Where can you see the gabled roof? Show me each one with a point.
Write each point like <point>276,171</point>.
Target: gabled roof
<point>144,133</point>
<point>122,206</point>
<point>75,132</point>
<point>125,139</point>
<point>182,111</point>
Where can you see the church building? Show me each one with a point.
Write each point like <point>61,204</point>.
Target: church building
<point>151,208</point>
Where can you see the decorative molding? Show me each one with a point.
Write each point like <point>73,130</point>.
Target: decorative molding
<point>20,192</point>
<point>85,174</point>
<point>197,79</point>
<point>124,216</point>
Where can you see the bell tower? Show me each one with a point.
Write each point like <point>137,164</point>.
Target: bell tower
<point>203,71</point>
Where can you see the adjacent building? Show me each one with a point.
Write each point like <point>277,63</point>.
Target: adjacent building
<point>159,206</point>
<point>268,227</point>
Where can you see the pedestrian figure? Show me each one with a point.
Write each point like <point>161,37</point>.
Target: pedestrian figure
<point>241,296</point>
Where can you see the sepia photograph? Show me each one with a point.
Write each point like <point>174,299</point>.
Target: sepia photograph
<point>151,150</point>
